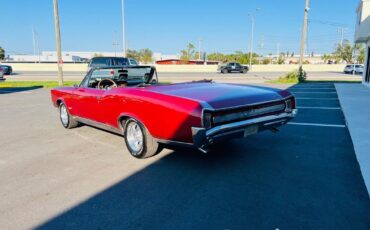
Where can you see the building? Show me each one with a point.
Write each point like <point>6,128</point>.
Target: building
<point>51,56</point>
<point>362,35</point>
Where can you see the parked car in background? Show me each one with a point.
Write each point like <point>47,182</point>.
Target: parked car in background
<point>1,73</point>
<point>230,67</point>
<point>111,61</point>
<point>7,69</point>
<point>357,69</point>
<point>130,102</point>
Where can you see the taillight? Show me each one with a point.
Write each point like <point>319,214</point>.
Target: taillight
<point>207,120</point>
<point>289,105</point>
<point>111,72</point>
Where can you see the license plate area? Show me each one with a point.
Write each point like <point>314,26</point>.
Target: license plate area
<point>252,129</point>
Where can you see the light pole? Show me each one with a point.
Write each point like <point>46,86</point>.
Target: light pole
<point>34,42</point>
<point>252,15</point>
<point>199,45</point>
<point>115,43</point>
<point>304,33</point>
<point>123,29</point>
<point>59,49</point>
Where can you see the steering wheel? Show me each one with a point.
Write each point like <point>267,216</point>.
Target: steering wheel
<point>112,85</point>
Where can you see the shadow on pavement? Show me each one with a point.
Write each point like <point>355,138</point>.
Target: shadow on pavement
<point>243,184</point>
<point>6,90</point>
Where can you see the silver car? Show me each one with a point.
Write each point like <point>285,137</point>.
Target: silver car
<point>357,69</point>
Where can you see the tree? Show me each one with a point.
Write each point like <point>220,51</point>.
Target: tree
<point>360,50</point>
<point>146,56</point>
<point>133,54</point>
<point>188,53</point>
<point>216,57</point>
<point>2,53</point>
<point>98,55</point>
<point>281,59</point>
<point>326,57</point>
<point>345,52</point>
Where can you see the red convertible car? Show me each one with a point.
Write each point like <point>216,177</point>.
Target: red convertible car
<point>130,101</point>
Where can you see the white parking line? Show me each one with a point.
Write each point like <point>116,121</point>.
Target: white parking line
<point>316,124</point>
<point>312,98</point>
<point>310,88</point>
<point>312,92</point>
<point>307,107</point>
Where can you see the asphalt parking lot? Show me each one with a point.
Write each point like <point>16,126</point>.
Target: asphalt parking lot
<point>304,177</point>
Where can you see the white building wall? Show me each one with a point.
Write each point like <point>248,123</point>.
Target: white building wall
<point>362,30</point>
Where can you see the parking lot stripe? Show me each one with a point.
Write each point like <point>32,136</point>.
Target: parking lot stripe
<point>312,92</point>
<point>312,98</point>
<point>311,88</point>
<point>316,124</point>
<point>307,107</point>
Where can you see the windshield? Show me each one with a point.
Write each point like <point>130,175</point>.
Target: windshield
<point>125,76</point>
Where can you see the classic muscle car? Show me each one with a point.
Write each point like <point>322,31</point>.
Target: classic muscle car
<point>131,102</point>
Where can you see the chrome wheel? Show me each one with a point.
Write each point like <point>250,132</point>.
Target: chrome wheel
<point>64,117</point>
<point>134,137</point>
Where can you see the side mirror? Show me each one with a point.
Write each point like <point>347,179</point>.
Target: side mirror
<point>76,86</point>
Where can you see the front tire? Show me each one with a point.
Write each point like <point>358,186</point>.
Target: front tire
<point>224,71</point>
<point>139,142</point>
<point>66,119</point>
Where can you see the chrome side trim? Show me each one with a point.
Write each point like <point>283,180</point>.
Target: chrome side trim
<point>98,125</point>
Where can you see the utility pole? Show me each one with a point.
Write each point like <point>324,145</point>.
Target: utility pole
<point>304,33</point>
<point>277,50</point>
<point>123,29</point>
<point>252,15</point>
<point>34,42</point>
<point>58,44</point>
<point>199,45</point>
<point>115,43</point>
<point>262,46</point>
<point>36,46</point>
<point>342,31</point>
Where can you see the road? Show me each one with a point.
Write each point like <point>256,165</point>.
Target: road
<point>304,177</point>
<point>252,77</point>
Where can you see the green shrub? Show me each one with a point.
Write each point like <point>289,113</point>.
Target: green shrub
<point>293,77</point>
<point>266,61</point>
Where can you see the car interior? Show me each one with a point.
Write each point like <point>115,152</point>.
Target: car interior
<point>107,79</point>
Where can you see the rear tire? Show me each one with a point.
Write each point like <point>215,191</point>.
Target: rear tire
<point>66,119</point>
<point>139,142</point>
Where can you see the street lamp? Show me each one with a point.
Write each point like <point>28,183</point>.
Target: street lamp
<point>253,18</point>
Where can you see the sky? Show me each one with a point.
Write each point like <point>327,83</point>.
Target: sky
<point>167,26</point>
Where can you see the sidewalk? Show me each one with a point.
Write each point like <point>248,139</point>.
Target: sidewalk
<point>355,103</point>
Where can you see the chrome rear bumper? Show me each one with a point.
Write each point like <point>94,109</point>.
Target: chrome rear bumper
<point>202,137</point>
